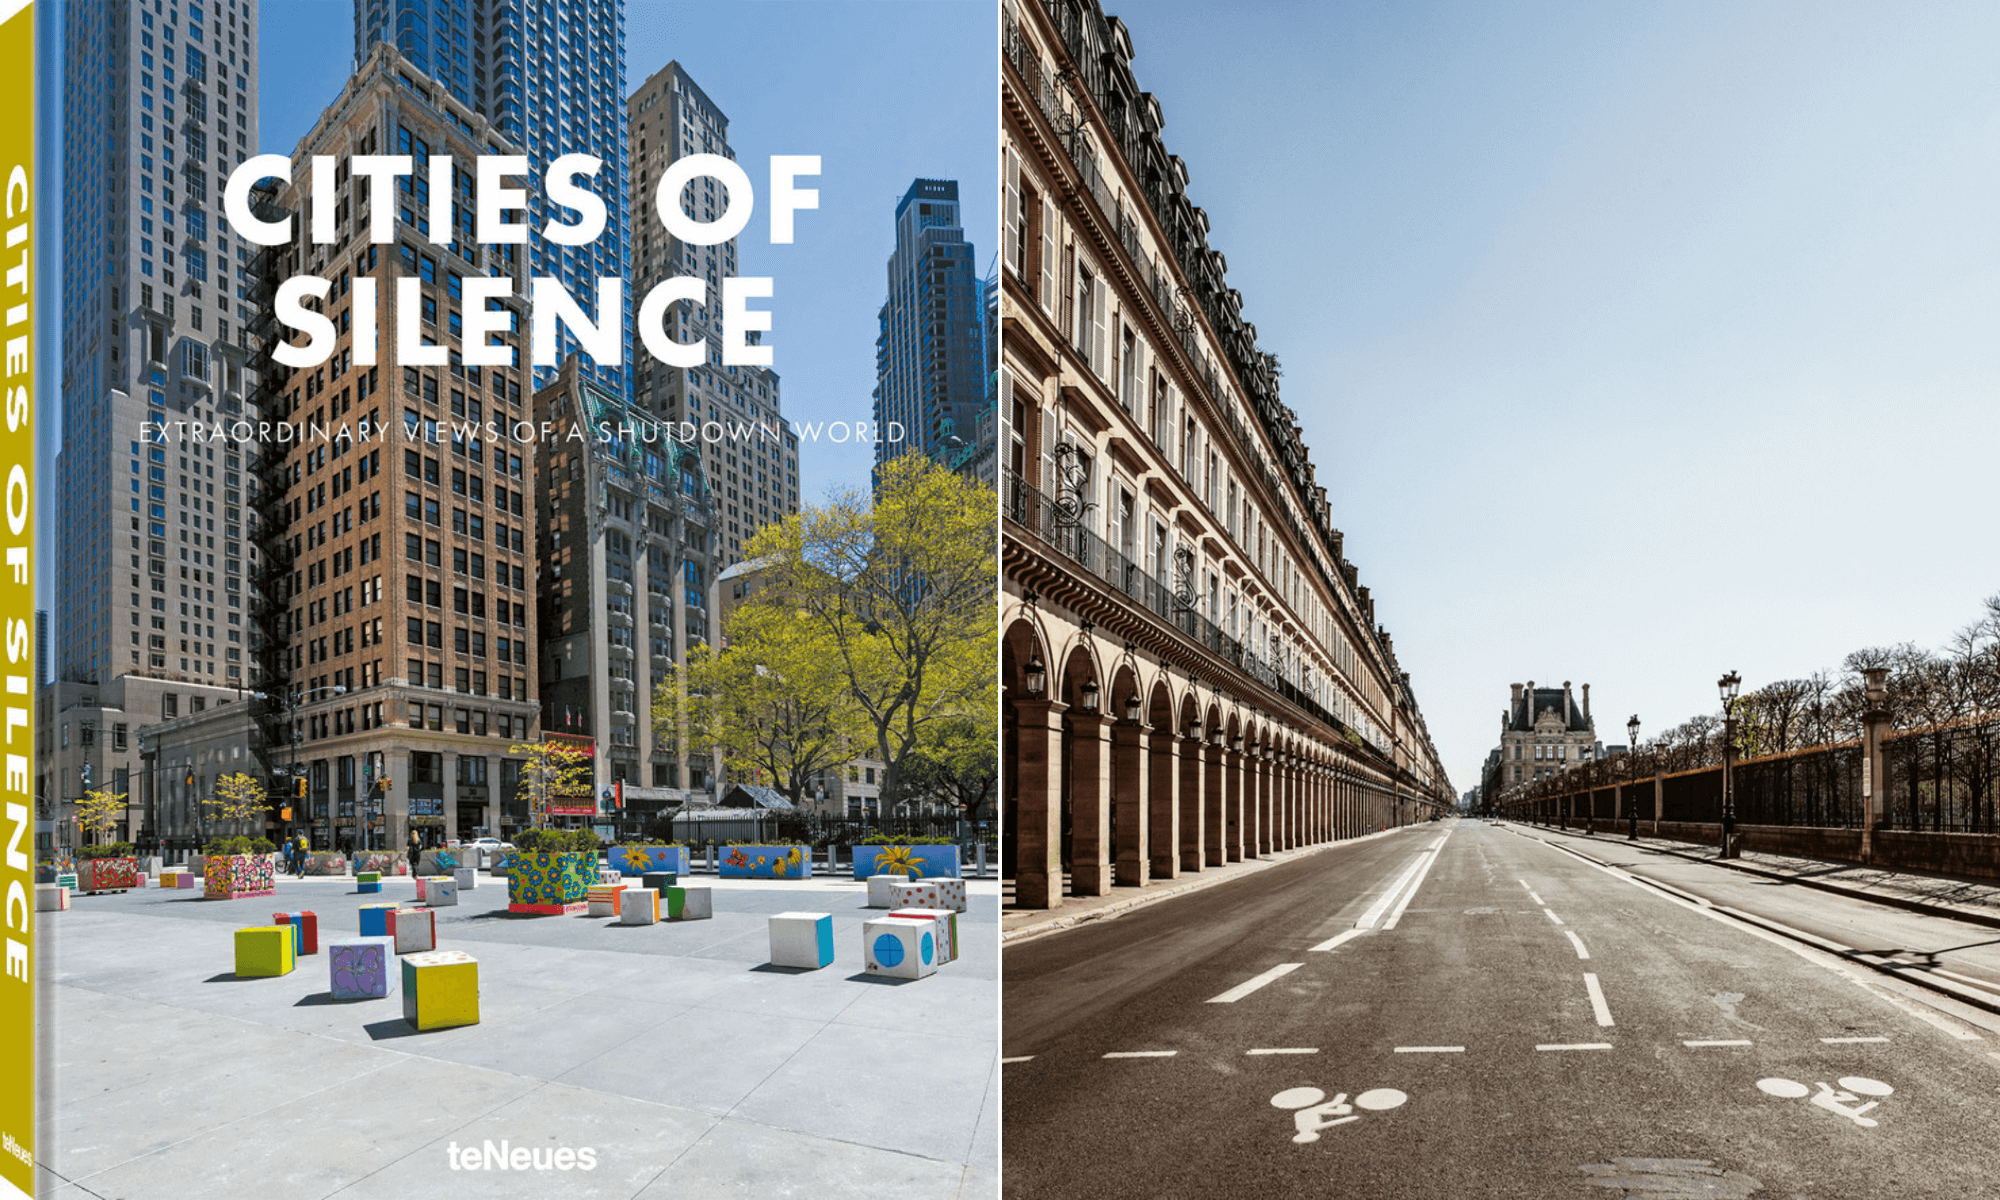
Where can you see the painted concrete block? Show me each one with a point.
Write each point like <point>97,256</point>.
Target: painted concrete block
<point>66,879</point>
<point>950,893</point>
<point>308,923</point>
<point>913,895</point>
<point>377,920</point>
<point>235,876</point>
<point>899,949</point>
<point>415,929</point>
<point>607,875</point>
<point>765,862</point>
<point>802,939</point>
<point>171,877</point>
<point>603,899</point>
<point>659,881</point>
<point>369,889</point>
<point>638,906</point>
<point>443,893</point>
<point>187,879</point>
<point>918,862</point>
<point>368,877</point>
<point>943,920</point>
<point>879,895</point>
<point>358,968</point>
<point>51,897</point>
<point>266,950</point>
<point>466,878</point>
<point>689,903</point>
<point>440,989</point>
<point>551,883</point>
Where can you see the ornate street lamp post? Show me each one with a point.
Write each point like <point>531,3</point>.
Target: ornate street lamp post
<point>1729,685</point>
<point>1632,770</point>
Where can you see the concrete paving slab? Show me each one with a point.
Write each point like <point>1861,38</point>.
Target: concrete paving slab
<point>743,1159</point>
<point>704,1059</point>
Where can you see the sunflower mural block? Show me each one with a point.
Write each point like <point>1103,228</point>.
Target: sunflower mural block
<point>899,949</point>
<point>603,899</point>
<point>441,989</point>
<point>235,876</point>
<point>947,928</point>
<point>465,877</point>
<point>549,883</point>
<point>443,892</point>
<point>638,906</point>
<point>766,862</point>
<point>266,950</point>
<point>638,860</point>
<point>688,903</point>
<point>358,968</point>
<point>917,862</point>
<point>308,926</point>
<point>415,930</point>
<point>879,895</point>
<point>802,939</point>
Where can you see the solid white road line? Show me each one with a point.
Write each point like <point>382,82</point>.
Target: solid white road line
<point>1597,999</point>
<point>1531,892</point>
<point>1720,1042</point>
<point>1436,852</point>
<point>1552,915</point>
<point>1430,1049</point>
<point>1333,943</point>
<point>1381,905</point>
<point>1577,1046</point>
<point>1851,1041</point>
<point>1285,1050</point>
<point>1578,943</point>
<point>1022,1058</point>
<point>1250,985</point>
<point>1142,1054</point>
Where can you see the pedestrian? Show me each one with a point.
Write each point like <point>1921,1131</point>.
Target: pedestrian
<point>416,851</point>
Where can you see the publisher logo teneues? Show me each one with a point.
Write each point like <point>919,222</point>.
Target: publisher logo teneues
<point>507,1157</point>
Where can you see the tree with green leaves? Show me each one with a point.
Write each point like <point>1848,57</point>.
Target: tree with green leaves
<point>896,590</point>
<point>774,701</point>
<point>551,770</point>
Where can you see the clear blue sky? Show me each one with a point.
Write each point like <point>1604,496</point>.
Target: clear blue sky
<point>1634,342</point>
<point>882,92</point>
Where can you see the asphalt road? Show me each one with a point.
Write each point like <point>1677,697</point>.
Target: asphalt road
<point>1465,1046</point>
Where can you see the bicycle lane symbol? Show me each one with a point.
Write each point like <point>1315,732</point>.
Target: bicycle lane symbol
<point>1313,1112</point>
<point>1842,1103</point>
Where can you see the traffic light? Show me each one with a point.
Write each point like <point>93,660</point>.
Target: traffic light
<point>285,813</point>
<point>299,787</point>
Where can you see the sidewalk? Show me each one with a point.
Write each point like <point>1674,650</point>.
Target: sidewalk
<point>1020,924</point>
<point>1938,896</point>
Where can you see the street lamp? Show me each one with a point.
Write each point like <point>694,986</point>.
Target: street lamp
<point>1728,686</point>
<point>1632,764</point>
<point>1087,696</point>
<point>1874,778</point>
<point>1035,676</point>
<point>1132,709</point>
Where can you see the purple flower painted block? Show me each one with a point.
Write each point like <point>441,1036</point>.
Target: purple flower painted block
<point>359,967</point>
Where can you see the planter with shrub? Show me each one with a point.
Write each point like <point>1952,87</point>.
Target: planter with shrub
<point>238,868</point>
<point>782,861</point>
<point>111,867</point>
<point>550,871</point>
<point>640,858</point>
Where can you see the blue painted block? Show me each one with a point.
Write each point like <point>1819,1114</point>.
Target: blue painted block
<point>369,887</point>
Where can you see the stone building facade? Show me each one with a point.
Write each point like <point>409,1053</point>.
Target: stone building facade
<point>1192,672</point>
<point>1543,732</point>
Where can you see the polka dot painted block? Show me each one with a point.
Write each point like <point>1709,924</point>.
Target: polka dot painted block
<point>879,895</point>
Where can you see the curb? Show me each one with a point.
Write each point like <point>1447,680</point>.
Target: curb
<point>1928,907</point>
<point>1043,928</point>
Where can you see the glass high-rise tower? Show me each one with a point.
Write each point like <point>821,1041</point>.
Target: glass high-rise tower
<point>930,358</point>
<point>551,79</point>
<point>157,536</point>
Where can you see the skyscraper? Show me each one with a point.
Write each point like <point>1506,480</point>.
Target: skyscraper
<point>551,79</point>
<point>157,535</point>
<point>930,361</point>
<point>755,476</point>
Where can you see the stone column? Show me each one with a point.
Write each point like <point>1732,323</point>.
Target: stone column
<point>1193,804</point>
<point>449,765</point>
<point>1089,804</point>
<point>1132,796</point>
<point>1215,823</point>
<point>1260,769</point>
<point>1232,776</point>
<point>1163,777</point>
<point>1038,804</point>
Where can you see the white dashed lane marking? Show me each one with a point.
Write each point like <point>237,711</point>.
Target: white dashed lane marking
<point>1849,1041</point>
<point>1718,1042</point>
<point>1575,1046</point>
<point>1022,1058</point>
<point>1552,916</point>
<point>1531,892</point>
<point>1430,1049</point>
<point>1578,943</point>
<point>1142,1054</point>
<point>1333,943</point>
<point>1250,985</point>
<point>1284,1050</point>
<point>1597,1003</point>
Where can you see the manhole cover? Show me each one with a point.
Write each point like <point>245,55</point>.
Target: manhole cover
<point>1671,1179</point>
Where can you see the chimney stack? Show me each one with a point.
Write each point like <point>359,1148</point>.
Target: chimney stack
<point>1566,704</point>
<point>1586,706</point>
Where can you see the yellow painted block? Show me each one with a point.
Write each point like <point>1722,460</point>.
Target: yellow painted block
<point>440,989</point>
<point>266,950</point>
